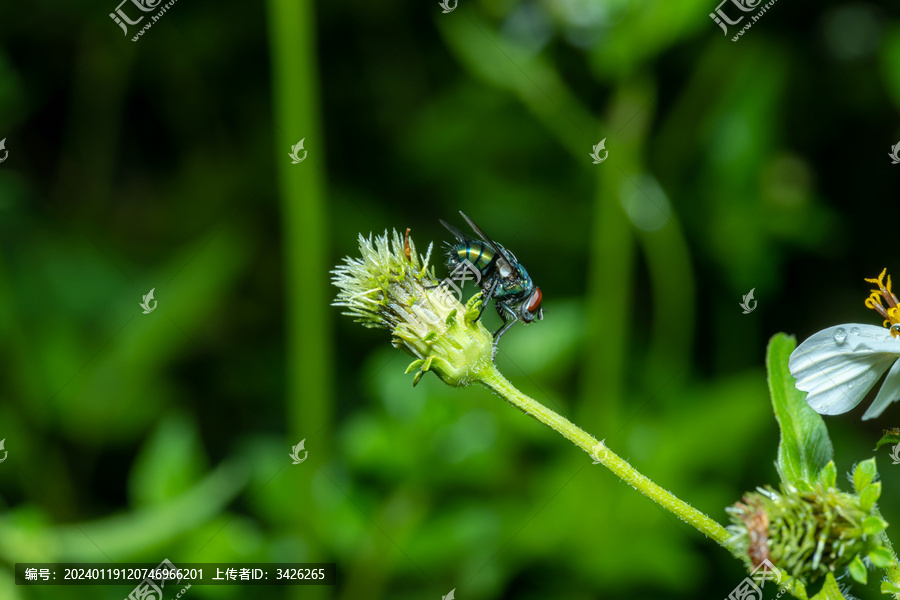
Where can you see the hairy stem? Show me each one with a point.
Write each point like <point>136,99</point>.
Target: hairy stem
<point>493,380</point>
<point>892,570</point>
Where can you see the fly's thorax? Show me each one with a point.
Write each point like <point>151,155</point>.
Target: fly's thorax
<point>507,290</point>
<point>517,285</point>
<point>525,277</point>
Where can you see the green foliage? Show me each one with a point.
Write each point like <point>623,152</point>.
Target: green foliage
<point>858,570</point>
<point>881,557</point>
<point>163,163</point>
<point>805,448</point>
<point>169,463</point>
<point>864,473</point>
<point>809,528</point>
<point>828,475</point>
<point>831,590</point>
<point>807,534</point>
<point>891,437</point>
<point>869,495</point>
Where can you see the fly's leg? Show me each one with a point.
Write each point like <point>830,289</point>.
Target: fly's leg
<point>487,297</point>
<point>504,310</point>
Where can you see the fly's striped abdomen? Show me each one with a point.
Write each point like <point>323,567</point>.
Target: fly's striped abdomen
<point>476,252</point>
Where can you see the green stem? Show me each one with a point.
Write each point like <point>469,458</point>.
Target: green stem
<point>304,217</point>
<point>305,242</point>
<point>892,570</point>
<point>493,380</point>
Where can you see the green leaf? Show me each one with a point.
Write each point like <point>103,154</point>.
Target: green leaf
<point>828,475</point>
<point>858,570</point>
<point>831,591</point>
<point>170,462</point>
<point>864,473</point>
<point>804,486</point>
<point>873,525</point>
<point>891,436</point>
<point>869,496</point>
<point>889,588</point>
<point>413,366</point>
<point>795,588</point>
<point>805,448</point>
<point>881,557</point>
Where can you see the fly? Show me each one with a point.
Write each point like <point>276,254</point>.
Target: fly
<point>503,278</point>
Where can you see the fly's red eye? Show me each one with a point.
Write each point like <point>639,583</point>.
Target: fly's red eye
<point>535,302</point>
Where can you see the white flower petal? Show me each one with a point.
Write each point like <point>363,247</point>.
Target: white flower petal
<point>840,364</point>
<point>873,339</point>
<point>889,392</point>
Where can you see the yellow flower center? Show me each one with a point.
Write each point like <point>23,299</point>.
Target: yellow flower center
<point>891,312</point>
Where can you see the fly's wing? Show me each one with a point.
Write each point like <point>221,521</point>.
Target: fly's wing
<point>456,232</point>
<point>497,247</point>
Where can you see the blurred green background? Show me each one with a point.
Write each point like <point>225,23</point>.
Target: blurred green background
<point>163,163</point>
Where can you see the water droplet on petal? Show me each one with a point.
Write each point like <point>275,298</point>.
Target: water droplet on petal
<point>849,386</point>
<point>840,335</point>
<point>855,331</point>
